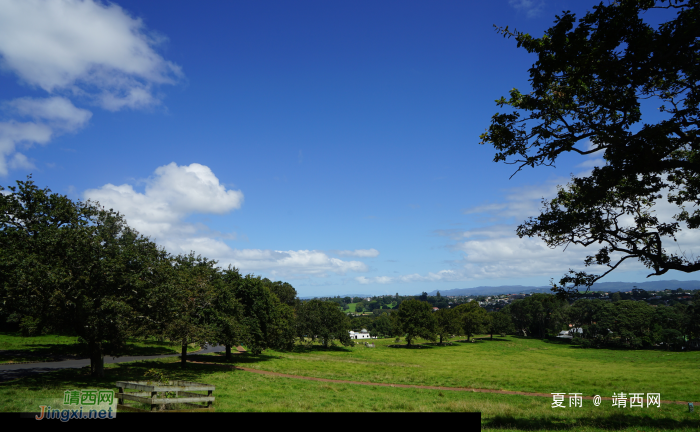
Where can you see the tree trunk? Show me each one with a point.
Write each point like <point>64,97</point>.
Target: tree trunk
<point>97,362</point>
<point>228,352</point>
<point>491,335</point>
<point>183,357</point>
<point>440,339</point>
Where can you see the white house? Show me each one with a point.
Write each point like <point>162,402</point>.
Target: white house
<point>362,334</point>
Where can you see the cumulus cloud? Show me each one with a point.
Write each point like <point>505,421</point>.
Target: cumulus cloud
<point>293,263</point>
<point>360,253</point>
<point>173,192</point>
<point>84,47</point>
<point>77,49</point>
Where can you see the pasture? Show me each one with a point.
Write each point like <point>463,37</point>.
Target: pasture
<point>503,364</point>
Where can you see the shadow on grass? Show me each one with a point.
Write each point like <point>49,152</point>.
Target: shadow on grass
<point>242,358</point>
<point>612,422</point>
<point>67,379</point>
<point>488,339</point>
<point>440,345</point>
<point>59,351</point>
<point>303,349</point>
<point>414,346</point>
<point>557,341</point>
<point>472,340</point>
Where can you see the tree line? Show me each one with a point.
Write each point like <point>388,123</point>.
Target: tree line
<point>77,268</point>
<point>592,322</point>
<point>599,323</point>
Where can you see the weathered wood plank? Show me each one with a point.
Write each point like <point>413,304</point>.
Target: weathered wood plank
<point>128,408</point>
<point>149,400</point>
<point>172,386</point>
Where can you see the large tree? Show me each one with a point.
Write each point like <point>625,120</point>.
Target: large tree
<point>283,290</point>
<point>323,321</point>
<point>189,301</point>
<point>269,323</point>
<point>415,318</point>
<point>473,318</point>
<point>589,84</point>
<point>75,267</point>
<point>448,323</point>
<point>226,314</point>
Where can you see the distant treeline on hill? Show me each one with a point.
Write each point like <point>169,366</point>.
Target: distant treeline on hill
<point>602,286</point>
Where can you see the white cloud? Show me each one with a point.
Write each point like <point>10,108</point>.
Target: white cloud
<point>293,263</point>
<point>174,192</point>
<point>360,253</point>
<point>591,163</point>
<point>530,7</point>
<point>48,117</point>
<point>84,47</point>
<point>442,275</point>
<point>496,252</point>
<point>58,112</point>
<point>519,201</point>
<point>19,161</point>
<point>73,49</point>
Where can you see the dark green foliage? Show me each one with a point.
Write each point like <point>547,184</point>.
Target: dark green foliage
<point>361,322</point>
<point>283,290</point>
<point>473,318</point>
<point>383,326</point>
<point>500,323</point>
<point>190,301</point>
<point>448,323</point>
<point>269,323</point>
<point>587,87</point>
<point>415,319</point>
<point>538,315</point>
<point>226,315</point>
<point>631,324</point>
<point>323,321</point>
<point>74,268</point>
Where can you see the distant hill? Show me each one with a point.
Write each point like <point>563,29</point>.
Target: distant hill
<point>602,286</point>
<point>515,289</point>
<point>486,290</point>
<point>341,296</point>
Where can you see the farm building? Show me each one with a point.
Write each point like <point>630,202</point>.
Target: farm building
<point>362,334</point>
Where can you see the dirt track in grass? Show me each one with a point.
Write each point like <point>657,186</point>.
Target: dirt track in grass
<point>475,390</point>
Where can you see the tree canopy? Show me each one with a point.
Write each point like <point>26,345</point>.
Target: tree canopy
<point>589,84</point>
<point>473,318</point>
<point>74,268</point>
<point>323,321</point>
<point>415,319</point>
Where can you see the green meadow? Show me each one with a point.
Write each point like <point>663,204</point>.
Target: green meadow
<point>505,363</point>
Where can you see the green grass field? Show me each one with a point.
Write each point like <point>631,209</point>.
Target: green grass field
<point>507,363</point>
<point>15,348</point>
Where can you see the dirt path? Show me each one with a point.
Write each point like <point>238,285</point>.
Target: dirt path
<point>467,389</point>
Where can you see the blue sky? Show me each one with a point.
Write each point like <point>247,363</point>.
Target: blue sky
<point>333,145</point>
